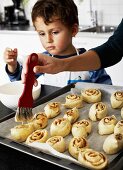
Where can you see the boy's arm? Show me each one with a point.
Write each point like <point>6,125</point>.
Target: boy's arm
<point>16,75</point>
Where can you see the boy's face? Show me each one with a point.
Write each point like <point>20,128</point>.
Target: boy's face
<point>55,37</point>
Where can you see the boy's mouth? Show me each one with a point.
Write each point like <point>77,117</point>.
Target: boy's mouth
<point>51,48</point>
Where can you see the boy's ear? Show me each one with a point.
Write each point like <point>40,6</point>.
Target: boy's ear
<point>75,30</point>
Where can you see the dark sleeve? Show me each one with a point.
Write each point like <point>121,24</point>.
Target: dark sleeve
<point>16,75</point>
<point>111,52</point>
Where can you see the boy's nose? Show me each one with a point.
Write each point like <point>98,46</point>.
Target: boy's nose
<point>49,38</point>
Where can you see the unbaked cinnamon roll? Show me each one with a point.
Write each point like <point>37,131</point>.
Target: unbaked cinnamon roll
<point>40,120</point>
<point>81,128</point>
<point>98,111</point>
<point>92,159</point>
<point>106,125</point>
<point>40,135</point>
<point>113,143</point>
<point>21,132</point>
<point>117,100</point>
<point>60,127</point>
<point>91,95</point>
<point>73,100</point>
<point>119,127</point>
<point>72,115</point>
<point>52,109</point>
<point>77,144</point>
<point>57,142</point>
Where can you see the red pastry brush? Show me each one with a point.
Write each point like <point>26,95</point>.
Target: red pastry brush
<point>25,103</point>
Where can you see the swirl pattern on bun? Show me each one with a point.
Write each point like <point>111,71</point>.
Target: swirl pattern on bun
<point>72,115</point>
<point>73,100</point>
<point>52,109</point>
<point>92,159</point>
<point>91,95</point>
<point>60,127</point>
<point>117,100</point>
<point>57,142</point>
<point>106,125</point>
<point>81,128</point>
<point>98,111</point>
<point>40,120</point>
<point>37,136</point>
<point>77,144</point>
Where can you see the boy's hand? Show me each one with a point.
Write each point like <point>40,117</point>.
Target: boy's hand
<point>10,58</point>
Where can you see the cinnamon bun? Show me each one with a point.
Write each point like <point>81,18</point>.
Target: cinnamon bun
<point>77,144</point>
<point>119,127</point>
<point>72,115</point>
<point>93,159</point>
<point>73,100</point>
<point>40,120</point>
<point>81,128</point>
<point>117,99</point>
<point>57,142</point>
<point>52,109</point>
<point>21,132</point>
<point>113,143</point>
<point>40,135</point>
<point>106,125</point>
<point>98,111</point>
<point>91,95</point>
<point>60,127</point>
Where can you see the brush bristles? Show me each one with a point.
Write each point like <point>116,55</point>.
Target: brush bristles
<point>23,114</point>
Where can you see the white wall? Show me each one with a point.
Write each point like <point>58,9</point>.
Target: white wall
<point>110,12</point>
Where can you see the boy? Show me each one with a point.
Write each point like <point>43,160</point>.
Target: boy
<point>57,23</point>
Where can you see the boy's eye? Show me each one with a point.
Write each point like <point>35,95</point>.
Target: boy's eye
<point>55,32</point>
<point>41,33</point>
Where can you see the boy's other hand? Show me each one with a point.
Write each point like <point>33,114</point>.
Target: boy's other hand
<point>10,58</point>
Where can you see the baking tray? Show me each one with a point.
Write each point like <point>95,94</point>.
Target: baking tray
<point>115,160</point>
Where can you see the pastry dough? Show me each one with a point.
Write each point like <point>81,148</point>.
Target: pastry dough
<point>57,142</point>
<point>98,111</point>
<point>119,127</point>
<point>93,159</point>
<point>40,120</point>
<point>91,95</point>
<point>52,109</point>
<point>21,132</point>
<point>122,112</point>
<point>117,99</point>
<point>60,127</point>
<point>106,125</point>
<point>77,144</point>
<point>81,128</point>
<point>113,144</point>
<point>40,135</point>
<point>73,100</point>
<point>72,115</point>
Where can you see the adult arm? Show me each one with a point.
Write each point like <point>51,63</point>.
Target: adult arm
<point>111,52</point>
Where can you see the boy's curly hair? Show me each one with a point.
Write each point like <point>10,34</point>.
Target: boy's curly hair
<point>65,10</point>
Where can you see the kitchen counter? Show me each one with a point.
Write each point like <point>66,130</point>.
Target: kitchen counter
<point>4,29</point>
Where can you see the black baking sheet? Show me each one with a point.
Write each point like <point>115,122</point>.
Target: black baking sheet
<point>115,164</point>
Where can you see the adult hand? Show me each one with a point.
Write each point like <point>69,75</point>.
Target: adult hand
<point>46,64</point>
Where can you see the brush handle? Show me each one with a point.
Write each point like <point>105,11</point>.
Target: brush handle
<point>26,99</point>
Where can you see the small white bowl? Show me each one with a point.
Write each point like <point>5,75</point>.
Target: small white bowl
<point>11,92</point>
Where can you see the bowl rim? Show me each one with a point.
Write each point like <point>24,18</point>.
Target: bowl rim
<point>38,87</point>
